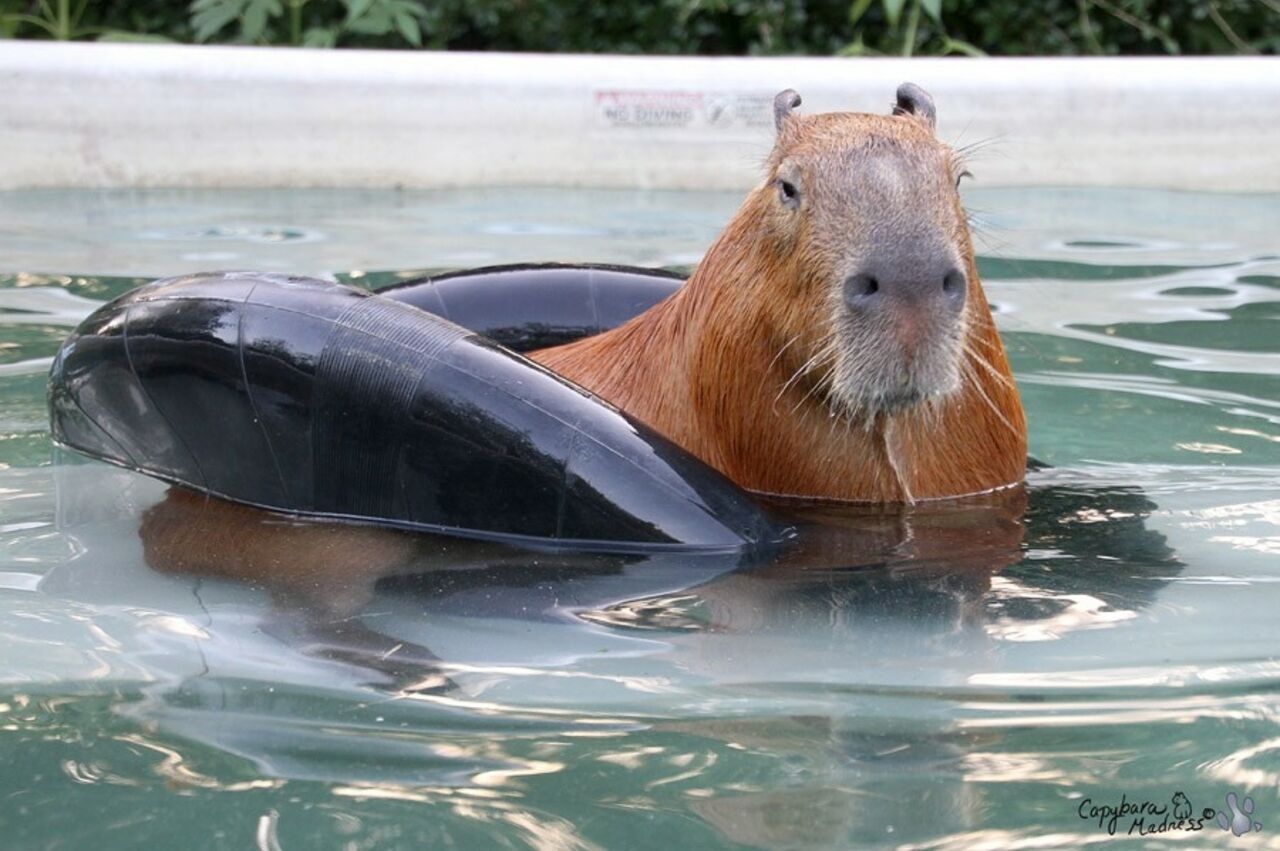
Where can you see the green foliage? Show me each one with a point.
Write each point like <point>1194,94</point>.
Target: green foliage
<point>1065,27</point>
<point>60,19</point>
<point>107,20</point>
<point>308,23</point>
<point>944,44</point>
<point>705,27</point>
<point>1126,27</point>
<point>208,17</point>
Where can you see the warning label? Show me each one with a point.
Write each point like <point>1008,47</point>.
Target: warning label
<point>619,108</point>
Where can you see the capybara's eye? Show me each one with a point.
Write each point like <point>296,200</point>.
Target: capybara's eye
<point>788,193</point>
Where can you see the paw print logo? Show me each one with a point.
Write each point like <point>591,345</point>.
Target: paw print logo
<point>1181,805</point>
<point>1240,820</point>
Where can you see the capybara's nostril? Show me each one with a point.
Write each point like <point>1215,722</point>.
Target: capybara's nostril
<point>858,289</point>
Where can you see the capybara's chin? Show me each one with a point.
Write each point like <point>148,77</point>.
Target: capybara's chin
<point>879,374</point>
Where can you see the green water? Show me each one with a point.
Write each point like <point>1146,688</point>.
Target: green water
<point>1122,641</point>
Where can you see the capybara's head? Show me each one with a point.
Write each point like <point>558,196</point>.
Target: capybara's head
<point>864,213</point>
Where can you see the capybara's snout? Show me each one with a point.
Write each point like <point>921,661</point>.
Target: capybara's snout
<point>934,282</point>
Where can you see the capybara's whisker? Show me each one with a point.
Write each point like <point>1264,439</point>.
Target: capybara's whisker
<point>785,346</point>
<point>817,387</point>
<point>774,361</point>
<point>803,370</point>
<point>991,370</point>
<point>977,386</point>
<point>979,148</point>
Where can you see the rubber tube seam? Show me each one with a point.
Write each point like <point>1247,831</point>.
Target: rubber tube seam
<point>253,405</point>
<point>275,307</point>
<point>444,305</point>
<point>128,355</point>
<point>562,498</point>
<point>573,426</point>
<point>108,435</point>
<point>592,280</point>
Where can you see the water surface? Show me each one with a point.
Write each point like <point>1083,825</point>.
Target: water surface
<point>960,677</point>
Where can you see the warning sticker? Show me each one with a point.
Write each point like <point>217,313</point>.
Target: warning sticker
<point>659,109</point>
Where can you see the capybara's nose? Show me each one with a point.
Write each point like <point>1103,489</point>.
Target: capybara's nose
<point>942,287</point>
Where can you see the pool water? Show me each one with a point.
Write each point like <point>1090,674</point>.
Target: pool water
<point>966,676</point>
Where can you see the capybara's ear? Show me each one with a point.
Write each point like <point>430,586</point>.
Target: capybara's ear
<point>913,100</point>
<point>785,101</point>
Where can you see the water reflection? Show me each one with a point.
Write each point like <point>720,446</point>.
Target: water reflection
<point>522,661</point>
<point>1023,565</point>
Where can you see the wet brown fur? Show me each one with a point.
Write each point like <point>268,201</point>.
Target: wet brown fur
<point>713,367</point>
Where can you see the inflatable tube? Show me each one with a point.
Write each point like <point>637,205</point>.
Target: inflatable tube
<point>322,400</point>
<point>534,306</point>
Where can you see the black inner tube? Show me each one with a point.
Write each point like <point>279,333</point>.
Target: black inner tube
<point>317,399</point>
<point>534,306</point>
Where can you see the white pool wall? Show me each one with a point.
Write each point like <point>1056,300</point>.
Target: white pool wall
<point>110,115</point>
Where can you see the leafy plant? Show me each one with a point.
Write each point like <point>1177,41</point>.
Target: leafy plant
<point>910,34</point>
<point>379,17</point>
<point>285,21</point>
<point>61,20</point>
<point>209,17</point>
